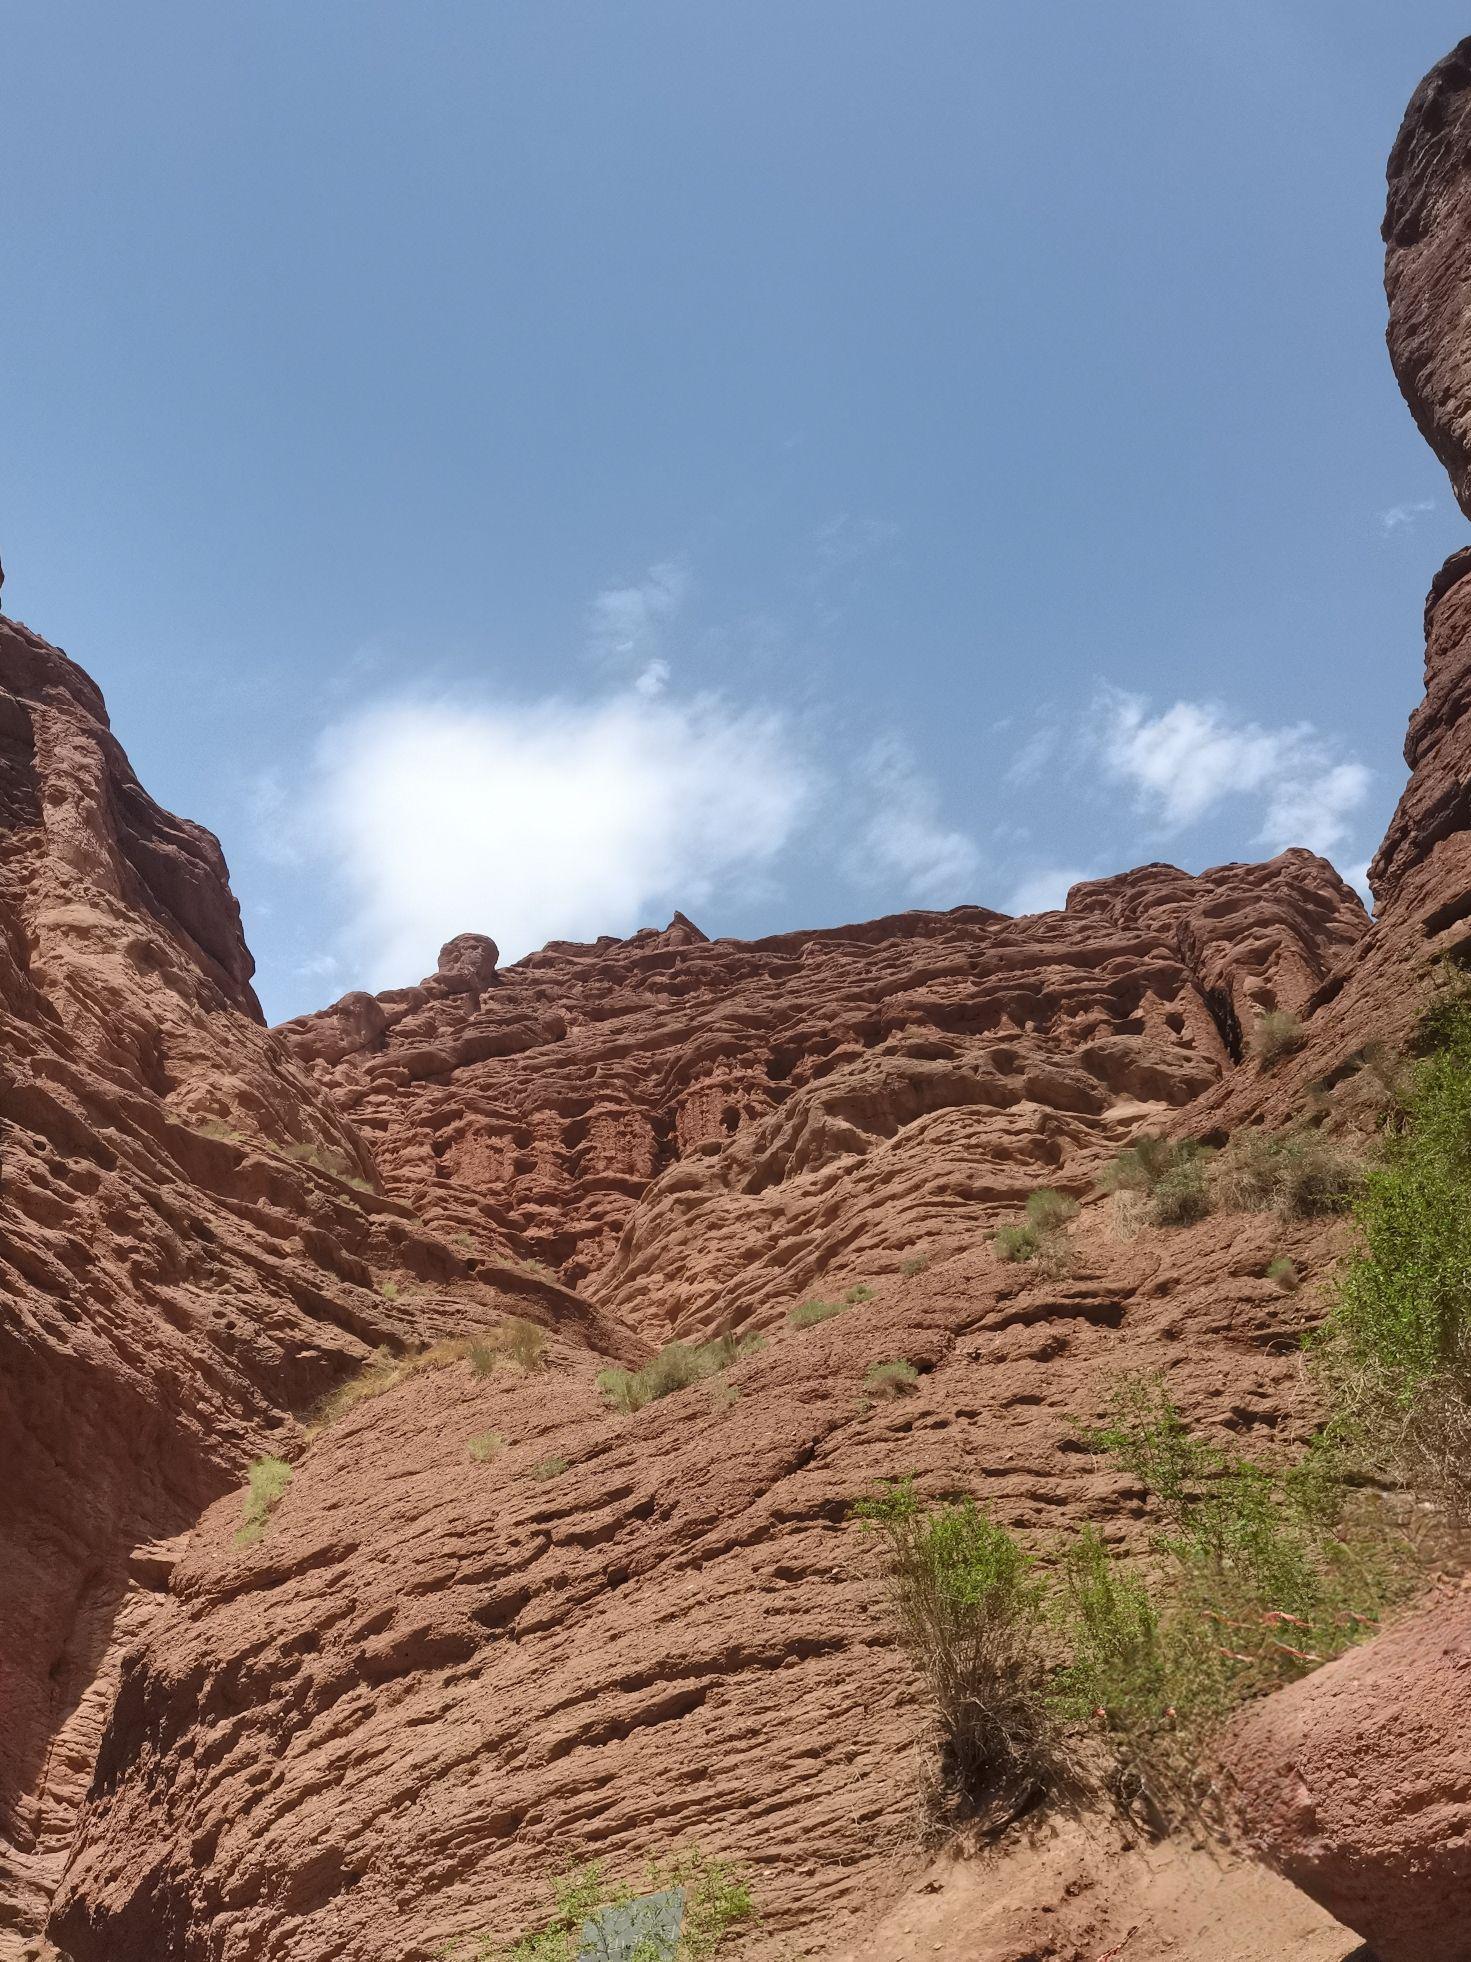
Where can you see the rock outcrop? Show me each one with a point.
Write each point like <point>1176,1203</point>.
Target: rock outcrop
<point>698,1132</point>
<point>1356,1784</point>
<point>190,1235</point>
<point>1427,266</point>
<point>493,1625</point>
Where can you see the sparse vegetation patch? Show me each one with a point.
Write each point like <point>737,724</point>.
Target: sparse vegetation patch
<point>891,1379</point>
<point>970,1610</point>
<point>684,1910</point>
<point>1277,1034</point>
<point>268,1479</point>
<point>1299,1174</point>
<point>1395,1351</point>
<point>1042,1235</point>
<point>1165,1177</point>
<point>812,1312</point>
<point>676,1366</point>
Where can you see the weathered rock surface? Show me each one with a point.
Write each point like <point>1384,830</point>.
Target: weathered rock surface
<point>441,1674</point>
<point>1356,1784</point>
<point>696,1133</point>
<point>436,1681</point>
<point>1427,267</point>
<point>184,1257</point>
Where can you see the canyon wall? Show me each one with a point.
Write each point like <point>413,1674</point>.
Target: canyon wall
<point>493,1625</point>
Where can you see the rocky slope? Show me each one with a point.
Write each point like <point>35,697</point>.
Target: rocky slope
<point>190,1235</point>
<point>699,1133</point>
<point>434,1678</point>
<point>493,1625</point>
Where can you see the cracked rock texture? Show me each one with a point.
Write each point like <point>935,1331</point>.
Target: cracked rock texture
<point>492,1626</point>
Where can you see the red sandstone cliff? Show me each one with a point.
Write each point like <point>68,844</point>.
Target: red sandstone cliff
<point>436,1677</point>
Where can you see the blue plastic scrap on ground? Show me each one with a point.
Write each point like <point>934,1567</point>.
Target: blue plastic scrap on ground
<point>647,1929</point>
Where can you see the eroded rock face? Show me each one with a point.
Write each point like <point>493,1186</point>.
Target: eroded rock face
<point>435,1682</point>
<point>184,1259</point>
<point>1427,267</point>
<point>1356,1784</point>
<point>698,1132</point>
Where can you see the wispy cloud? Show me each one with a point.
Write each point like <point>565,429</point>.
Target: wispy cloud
<point>1046,889</point>
<point>846,541</point>
<point>1186,761</point>
<point>1401,517</point>
<point>549,821</point>
<point>905,839</point>
<point>625,623</point>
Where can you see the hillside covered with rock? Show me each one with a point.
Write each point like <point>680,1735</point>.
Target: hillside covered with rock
<point>350,1597</point>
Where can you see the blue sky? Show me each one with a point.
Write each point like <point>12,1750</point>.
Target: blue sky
<point>525,467</point>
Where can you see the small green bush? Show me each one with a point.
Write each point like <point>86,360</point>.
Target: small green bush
<point>1049,1212</point>
<point>970,1612</point>
<point>915,1264</point>
<point>1395,1350</point>
<point>812,1312</point>
<point>1277,1034</point>
<point>718,1900</point>
<point>1284,1272</point>
<point>488,1445</point>
<point>1042,1236</point>
<point>1168,1174</point>
<point>388,1290</point>
<point>523,1342</point>
<point>861,1291</point>
<point>1016,1242</point>
<point>1260,1574</point>
<point>891,1379</point>
<point>1298,1174</point>
<point>676,1366</point>
<point>1182,1195</point>
<point>552,1467</point>
<point>268,1479</point>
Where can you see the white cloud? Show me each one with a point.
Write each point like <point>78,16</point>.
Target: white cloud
<point>1401,517</point>
<point>1192,757</point>
<point>1033,756</point>
<point>653,680</point>
<point>1045,890</point>
<point>846,541</point>
<point>903,836</point>
<point>555,820</point>
<point>625,622</point>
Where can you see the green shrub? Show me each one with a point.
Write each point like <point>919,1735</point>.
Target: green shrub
<point>861,1291</point>
<point>1284,1272</point>
<point>1182,1195</point>
<point>674,1368</point>
<point>812,1312</point>
<point>1396,1347</point>
<point>523,1342</point>
<point>1277,1034</point>
<point>388,1290</point>
<point>552,1467</point>
<point>718,1899</point>
<point>1049,1212</point>
<point>1042,1236</point>
<point>488,1445</point>
<point>1016,1243</point>
<point>915,1264</point>
<point>970,1612</point>
<point>1260,1574</point>
<point>1298,1174</point>
<point>891,1379</point>
<point>386,1371</point>
<point>268,1479</point>
<point>1169,1175</point>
